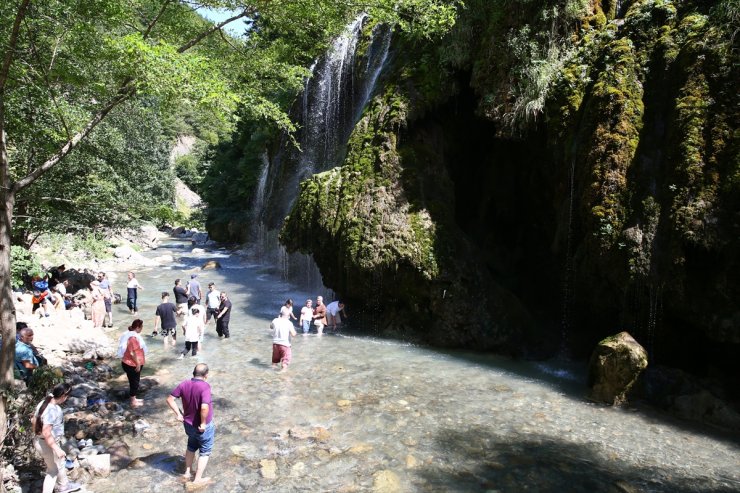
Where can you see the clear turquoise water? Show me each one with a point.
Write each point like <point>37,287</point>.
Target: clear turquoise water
<point>357,414</point>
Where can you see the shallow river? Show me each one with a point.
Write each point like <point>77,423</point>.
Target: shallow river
<point>356,414</point>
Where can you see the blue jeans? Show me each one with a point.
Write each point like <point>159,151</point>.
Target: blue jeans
<point>202,442</point>
<point>306,326</point>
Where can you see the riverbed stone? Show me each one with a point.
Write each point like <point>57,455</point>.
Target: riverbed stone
<point>614,367</point>
<point>360,448</point>
<point>99,464</point>
<point>297,469</point>
<point>386,482</point>
<point>268,468</point>
<point>211,264</point>
<point>119,454</point>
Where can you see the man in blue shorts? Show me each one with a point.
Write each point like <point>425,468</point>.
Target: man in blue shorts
<point>197,418</point>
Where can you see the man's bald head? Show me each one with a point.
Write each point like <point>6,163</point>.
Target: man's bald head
<point>201,370</point>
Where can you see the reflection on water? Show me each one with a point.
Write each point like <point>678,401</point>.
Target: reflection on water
<point>363,414</point>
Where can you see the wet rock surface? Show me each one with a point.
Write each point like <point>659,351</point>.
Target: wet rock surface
<point>615,365</point>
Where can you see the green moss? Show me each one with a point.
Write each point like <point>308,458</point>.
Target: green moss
<point>360,205</point>
<point>616,111</point>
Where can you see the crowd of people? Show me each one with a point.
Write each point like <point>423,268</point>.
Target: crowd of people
<point>194,394</point>
<point>320,316</point>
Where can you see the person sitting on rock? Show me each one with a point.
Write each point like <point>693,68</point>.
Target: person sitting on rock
<point>25,356</point>
<point>41,294</point>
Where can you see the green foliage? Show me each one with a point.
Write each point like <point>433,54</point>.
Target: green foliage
<point>111,181</point>
<point>189,167</point>
<point>23,265</point>
<point>21,407</point>
<point>93,245</point>
<point>44,379</point>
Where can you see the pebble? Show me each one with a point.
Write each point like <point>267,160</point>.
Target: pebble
<point>297,469</point>
<point>268,468</point>
<point>386,482</point>
<point>360,448</point>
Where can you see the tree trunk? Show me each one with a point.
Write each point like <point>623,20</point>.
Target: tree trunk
<point>7,307</point>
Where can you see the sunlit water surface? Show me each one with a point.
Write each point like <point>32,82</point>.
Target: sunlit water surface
<point>356,413</point>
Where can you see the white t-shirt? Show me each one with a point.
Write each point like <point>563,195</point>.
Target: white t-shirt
<point>213,298</point>
<point>281,330</point>
<point>53,416</point>
<point>286,311</point>
<point>61,289</point>
<point>306,313</point>
<point>332,308</point>
<point>193,327</point>
<point>133,283</point>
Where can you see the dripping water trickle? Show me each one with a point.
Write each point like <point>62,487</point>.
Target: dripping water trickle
<point>568,271</point>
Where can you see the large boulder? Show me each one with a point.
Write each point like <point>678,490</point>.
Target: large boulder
<point>615,365</point>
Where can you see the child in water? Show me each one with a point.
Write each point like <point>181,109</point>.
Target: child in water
<point>192,329</point>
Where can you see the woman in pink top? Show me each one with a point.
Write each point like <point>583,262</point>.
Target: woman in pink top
<point>132,351</point>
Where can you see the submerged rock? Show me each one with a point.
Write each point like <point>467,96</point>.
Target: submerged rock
<point>615,365</point>
<point>211,264</point>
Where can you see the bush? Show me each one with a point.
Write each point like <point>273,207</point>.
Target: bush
<point>23,265</point>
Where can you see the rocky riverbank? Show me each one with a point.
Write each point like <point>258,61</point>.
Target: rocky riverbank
<point>96,416</point>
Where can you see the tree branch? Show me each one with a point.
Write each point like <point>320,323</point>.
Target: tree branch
<point>156,18</point>
<point>210,31</point>
<point>123,94</point>
<point>19,16</point>
<point>45,77</point>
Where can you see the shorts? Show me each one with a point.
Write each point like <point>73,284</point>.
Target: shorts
<point>202,442</point>
<point>211,312</point>
<point>182,308</point>
<point>170,331</point>
<point>108,305</point>
<point>281,354</point>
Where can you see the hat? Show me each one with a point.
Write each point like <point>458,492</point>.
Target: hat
<point>193,276</point>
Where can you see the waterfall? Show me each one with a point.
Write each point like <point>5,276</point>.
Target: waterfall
<point>335,94</point>
<point>568,271</point>
<point>333,99</point>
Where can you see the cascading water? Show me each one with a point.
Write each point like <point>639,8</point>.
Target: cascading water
<point>340,86</point>
<point>568,271</point>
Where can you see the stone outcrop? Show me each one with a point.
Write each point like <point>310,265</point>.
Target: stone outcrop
<point>615,365</point>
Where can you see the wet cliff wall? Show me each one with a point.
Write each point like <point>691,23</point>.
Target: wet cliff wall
<point>548,174</point>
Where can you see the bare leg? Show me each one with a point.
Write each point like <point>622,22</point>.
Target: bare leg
<point>189,456</point>
<point>202,462</point>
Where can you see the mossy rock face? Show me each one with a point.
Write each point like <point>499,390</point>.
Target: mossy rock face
<point>615,365</point>
<point>644,115</point>
<point>377,231</point>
